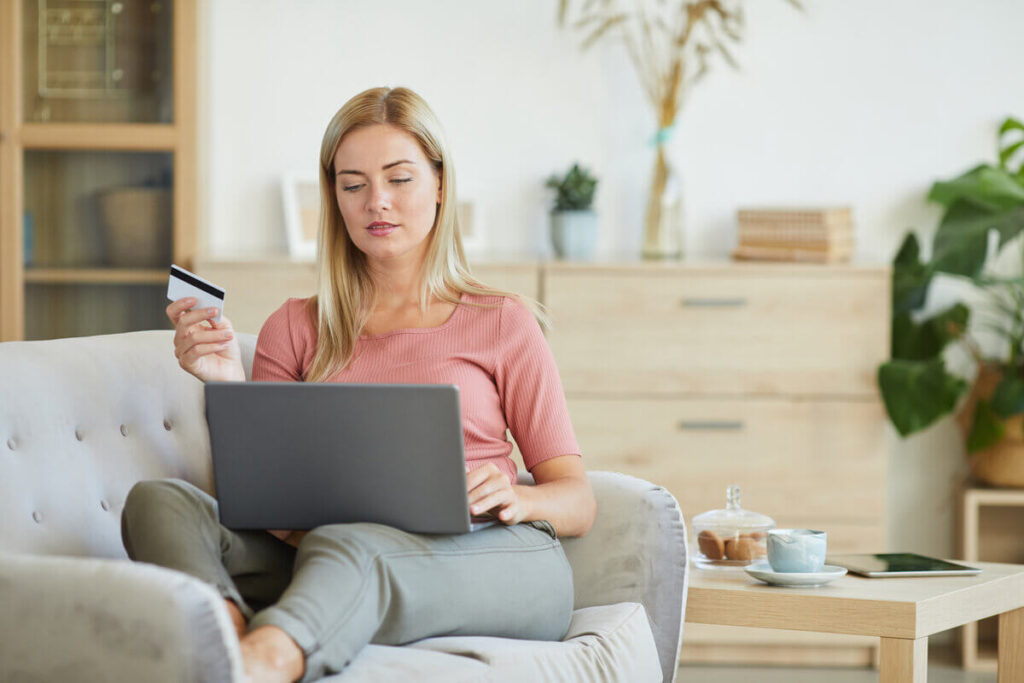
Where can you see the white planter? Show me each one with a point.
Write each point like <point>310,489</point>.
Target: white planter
<point>574,233</point>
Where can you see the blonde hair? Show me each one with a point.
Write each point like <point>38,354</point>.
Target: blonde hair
<point>346,294</point>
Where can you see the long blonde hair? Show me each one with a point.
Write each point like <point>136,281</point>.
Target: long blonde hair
<point>346,295</point>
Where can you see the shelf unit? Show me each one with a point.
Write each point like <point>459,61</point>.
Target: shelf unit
<point>990,529</point>
<point>89,110</point>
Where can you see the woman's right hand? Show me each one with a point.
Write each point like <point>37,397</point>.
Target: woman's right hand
<point>206,349</point>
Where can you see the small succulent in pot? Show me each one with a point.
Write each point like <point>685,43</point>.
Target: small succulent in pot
<point>573,221</point>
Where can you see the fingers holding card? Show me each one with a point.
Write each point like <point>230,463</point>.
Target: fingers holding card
<point>182,284</point>
<point>204,342</point>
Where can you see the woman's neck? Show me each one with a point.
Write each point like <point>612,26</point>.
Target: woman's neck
<point>398,285</point>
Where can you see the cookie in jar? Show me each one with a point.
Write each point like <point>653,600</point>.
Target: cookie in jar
<point>730,537</point>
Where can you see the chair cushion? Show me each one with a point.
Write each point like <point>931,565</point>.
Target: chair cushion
<point>387,664</point>
<point>604,643</point>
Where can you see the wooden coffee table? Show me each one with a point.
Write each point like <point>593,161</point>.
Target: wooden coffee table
<point>902,612</point>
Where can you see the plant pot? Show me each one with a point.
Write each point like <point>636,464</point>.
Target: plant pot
<point>1002,464</point>
<point>137,221</point>
<point>574,233</point>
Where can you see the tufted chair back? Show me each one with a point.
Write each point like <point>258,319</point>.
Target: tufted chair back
<point>81,420</point>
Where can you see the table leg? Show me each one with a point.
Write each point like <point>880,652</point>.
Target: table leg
<point>1011,646</point>
<point>904,660</point>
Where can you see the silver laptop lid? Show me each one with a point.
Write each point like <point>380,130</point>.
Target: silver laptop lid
<point>296,455</point>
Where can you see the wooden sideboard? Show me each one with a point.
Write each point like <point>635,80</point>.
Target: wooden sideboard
<point>700,374</point>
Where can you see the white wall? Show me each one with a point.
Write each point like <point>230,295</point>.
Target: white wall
<point>849,102</point>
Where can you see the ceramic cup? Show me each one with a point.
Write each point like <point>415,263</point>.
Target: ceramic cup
<point>796,550</point>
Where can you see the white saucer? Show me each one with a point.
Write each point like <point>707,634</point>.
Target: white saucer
<point>763,572</point>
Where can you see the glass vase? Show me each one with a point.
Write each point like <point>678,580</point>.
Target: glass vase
<point>663,233</point>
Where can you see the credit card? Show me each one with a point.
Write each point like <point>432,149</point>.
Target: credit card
<point>183,284</point>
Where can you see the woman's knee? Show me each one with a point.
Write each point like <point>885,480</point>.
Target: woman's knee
<point>357,542</point>
<point>155,499</point>
<point>155,507</point>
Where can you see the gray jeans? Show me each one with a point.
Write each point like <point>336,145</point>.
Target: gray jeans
<point>347,585</point>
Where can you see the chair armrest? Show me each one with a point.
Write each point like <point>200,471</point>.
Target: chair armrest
<point>635,552</point>
<point>88,619</point>
<point>247,347</point>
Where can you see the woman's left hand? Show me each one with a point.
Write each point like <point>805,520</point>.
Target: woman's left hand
<point>490,490</point>
<point>289,536</point>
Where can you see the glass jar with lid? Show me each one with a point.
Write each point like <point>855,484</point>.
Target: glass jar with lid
<point>732,537</point>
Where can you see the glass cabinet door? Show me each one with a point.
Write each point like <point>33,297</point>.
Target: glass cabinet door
<point>97,61</point>
<point>98,241</point>
<point>56,310</point>
<point>98,209</point>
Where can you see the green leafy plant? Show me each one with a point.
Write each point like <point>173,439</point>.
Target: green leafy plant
<point>575,190</point>
<point>916,385</point>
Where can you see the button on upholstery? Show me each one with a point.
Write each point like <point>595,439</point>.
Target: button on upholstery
<point>105,505</point>
<point>124,430</point>
<point>79,435</point>
<point>11,443</point>
<point>167,425</point>
<point>38,516</point>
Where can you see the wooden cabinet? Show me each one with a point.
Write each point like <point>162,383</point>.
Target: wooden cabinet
<point>697,375</point>
<point>97,163</point>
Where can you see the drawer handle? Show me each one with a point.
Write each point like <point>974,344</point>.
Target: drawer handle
<point>712,425</point>
<point>714,302</point>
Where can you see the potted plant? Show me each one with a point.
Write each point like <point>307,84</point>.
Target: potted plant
<point>573,222</point>
<point>916,385</point>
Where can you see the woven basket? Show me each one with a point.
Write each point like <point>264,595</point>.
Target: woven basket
<point>138,226</point>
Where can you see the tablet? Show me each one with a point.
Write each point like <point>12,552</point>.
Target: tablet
<point>900,564</point>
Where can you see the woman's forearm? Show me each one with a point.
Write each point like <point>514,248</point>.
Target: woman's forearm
<point>567,503</point>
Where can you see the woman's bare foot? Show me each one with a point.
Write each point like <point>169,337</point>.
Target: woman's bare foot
<point>237,618</point>
<point>271,656</point>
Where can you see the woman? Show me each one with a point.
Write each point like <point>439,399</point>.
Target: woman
<point>395,304</point>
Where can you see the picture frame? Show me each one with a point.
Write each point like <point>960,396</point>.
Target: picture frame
<point>473,239</point>
<point>300,197</point>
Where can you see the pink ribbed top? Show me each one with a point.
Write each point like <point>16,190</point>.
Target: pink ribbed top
<point>498,357</point>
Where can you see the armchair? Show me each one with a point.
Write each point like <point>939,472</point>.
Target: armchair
<point>83,419</point>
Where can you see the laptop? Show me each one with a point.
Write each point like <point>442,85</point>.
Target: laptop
<point>297,455</point>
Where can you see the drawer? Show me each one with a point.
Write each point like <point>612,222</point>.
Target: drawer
<point>805,463</point>
<point>719,331</point>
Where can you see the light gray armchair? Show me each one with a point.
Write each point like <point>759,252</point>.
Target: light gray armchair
<point>83,419</point>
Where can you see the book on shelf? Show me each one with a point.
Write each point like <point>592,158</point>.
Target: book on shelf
<point>836,216</point>
<point>815,234</point>
<point>785,237</point>
<point>798,241</point>
<point>747,252</point>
